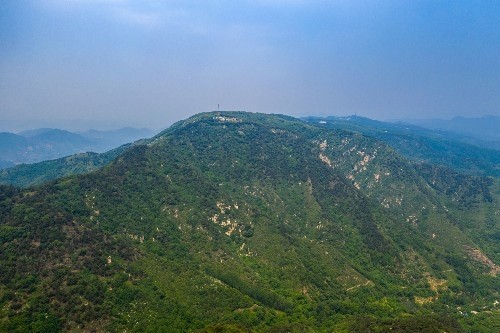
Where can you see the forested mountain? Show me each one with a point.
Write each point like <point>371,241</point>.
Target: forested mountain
<point>423,145</point>
<point>47,144</point>
<point>239,222</point>
<point>416,143</point>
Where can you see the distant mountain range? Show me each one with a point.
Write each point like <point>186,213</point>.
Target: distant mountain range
<point>47,143</point>
<point>483,131</point>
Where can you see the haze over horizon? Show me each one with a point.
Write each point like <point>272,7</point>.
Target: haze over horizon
<point>80,64</point>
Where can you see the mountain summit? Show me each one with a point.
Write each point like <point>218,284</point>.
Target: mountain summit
<point>237,222</point>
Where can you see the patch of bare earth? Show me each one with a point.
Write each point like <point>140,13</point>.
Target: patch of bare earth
<point>477,255</point>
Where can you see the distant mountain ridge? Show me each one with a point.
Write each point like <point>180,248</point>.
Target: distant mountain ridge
<point>422,145</point>
<point>47,143</point>
<point>481,131</point>
<point>34,132</point>
<point>120,136</point>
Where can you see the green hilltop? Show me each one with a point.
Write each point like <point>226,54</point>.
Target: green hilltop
<point>243,222</point>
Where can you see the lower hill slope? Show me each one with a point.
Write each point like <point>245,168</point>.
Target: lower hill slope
<point>243,222</point>
<point>26,175</point>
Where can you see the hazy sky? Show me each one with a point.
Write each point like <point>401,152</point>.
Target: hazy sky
<point>113,63</point>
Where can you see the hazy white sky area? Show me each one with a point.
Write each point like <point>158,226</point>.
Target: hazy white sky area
<point>79,64</point>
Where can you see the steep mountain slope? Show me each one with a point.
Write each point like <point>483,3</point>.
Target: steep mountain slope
<point>238,221</point>
<point>422,145</point>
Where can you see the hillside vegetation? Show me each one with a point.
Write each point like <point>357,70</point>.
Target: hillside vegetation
<point>240,222</point>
